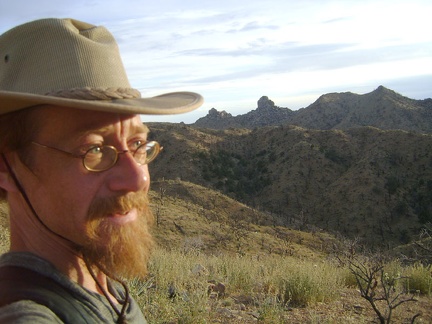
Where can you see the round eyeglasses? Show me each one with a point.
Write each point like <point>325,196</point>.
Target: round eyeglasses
<point>101,158</point>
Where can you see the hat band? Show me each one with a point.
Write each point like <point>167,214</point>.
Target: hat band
<point>88,93</point>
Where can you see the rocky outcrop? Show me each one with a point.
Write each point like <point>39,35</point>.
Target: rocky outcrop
<point>264,115</point>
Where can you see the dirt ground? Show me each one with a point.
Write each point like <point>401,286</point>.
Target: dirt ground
<point>350,308</point>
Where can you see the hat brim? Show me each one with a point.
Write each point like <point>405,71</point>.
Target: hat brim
<point>165,104</point>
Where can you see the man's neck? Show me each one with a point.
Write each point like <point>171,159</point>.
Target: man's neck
<point>61,254</point>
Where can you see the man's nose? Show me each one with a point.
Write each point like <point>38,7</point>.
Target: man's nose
<point>127,175</point>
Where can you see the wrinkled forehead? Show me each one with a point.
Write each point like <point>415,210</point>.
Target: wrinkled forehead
<point>64,123</point>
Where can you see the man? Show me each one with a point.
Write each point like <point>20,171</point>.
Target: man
<point>73,170</point>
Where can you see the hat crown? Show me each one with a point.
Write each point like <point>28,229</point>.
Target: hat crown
<point>49,55</point>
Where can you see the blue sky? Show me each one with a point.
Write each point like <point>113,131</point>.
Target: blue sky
<point>233,52</point>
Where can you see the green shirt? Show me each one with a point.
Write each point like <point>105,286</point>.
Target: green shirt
<point>100,311</point>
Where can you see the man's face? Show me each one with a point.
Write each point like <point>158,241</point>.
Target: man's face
<point>106,213</point>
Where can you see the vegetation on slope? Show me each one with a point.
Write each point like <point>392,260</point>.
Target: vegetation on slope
<point>361,182</point>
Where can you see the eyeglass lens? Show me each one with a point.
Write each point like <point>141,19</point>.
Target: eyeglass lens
<point>104,157</point>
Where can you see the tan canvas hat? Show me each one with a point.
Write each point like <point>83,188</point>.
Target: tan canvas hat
<point>70,63</point>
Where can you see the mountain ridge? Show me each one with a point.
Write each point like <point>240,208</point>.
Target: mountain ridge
<point>382,108</point>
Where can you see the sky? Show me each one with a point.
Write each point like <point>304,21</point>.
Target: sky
<point>234,52</point>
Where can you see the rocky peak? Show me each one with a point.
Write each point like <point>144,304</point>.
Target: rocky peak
<point>264,103</point>
<point>214,114</point>
<point>382,89</point>
<point>382,93</point>
<point>216,119</point>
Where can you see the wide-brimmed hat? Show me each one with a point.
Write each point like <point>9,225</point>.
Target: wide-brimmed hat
<point>70,63</point>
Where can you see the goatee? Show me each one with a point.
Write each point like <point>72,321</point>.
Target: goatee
<point>121,250</point>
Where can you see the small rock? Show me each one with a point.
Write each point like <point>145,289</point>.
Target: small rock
<point>225,312</point>
<point>199,270</point>
<point>218,288</point>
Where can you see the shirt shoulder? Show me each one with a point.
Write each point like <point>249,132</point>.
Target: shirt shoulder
<point>96,306</point>
<point>26,311</point>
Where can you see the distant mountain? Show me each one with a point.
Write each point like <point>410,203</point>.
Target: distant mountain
<point>267,114</point>
<point>381,108</point>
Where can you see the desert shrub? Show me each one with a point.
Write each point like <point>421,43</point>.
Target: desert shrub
<point>419,279</point>
<point>392,185</point>
<point>349,279</point>
<point>310,283</point>
<point>380,282</point>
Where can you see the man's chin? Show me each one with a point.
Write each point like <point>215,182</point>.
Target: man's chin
<point>124,257</point>
<point>122,251</point>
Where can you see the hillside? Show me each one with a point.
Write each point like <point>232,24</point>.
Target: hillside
<point>196,219</point>
<point>381,108</point>
<point>364,182</point>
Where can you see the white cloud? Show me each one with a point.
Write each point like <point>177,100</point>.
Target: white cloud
<point>233,52</point>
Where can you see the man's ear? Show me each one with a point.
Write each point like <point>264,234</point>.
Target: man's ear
<point>6,180</point>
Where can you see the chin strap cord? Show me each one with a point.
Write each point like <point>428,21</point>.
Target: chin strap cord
<point>121,314</point>
<point>29,204</point>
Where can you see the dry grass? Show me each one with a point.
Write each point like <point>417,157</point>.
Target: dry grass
<point>4,228</point>
<point>265,289</point>
<point>193,217</point>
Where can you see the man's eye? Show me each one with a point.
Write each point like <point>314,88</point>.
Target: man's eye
<point>137,143</point>
<point>95,150</point>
